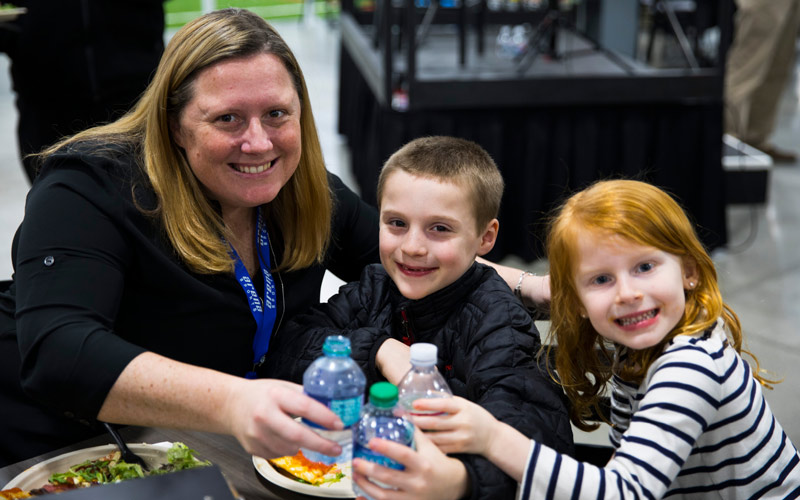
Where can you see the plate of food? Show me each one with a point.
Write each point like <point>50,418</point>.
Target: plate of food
<point>297,473</point>
<point>99,465</point>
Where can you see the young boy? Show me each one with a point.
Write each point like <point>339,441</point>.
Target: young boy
<point>438,200</point>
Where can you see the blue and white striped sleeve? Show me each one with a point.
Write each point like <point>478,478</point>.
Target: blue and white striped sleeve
<point>683,391</point>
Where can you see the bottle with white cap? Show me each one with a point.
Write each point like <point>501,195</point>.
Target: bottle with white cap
<point>423,380</point>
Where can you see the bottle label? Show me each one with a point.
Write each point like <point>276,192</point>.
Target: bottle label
<point>348,410</point>
<point>364,453</point>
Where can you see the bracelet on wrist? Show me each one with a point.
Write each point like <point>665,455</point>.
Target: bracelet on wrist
<point>518,288</point>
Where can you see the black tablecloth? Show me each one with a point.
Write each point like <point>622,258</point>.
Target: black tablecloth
<point>547,152</point>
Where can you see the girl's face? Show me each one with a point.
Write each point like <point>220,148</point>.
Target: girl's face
<point>241,130</point>
<point>632,294</point>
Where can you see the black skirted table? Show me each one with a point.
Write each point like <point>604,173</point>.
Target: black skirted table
<point>552,126</point>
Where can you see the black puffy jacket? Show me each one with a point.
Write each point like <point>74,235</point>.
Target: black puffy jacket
<point>487,352</point>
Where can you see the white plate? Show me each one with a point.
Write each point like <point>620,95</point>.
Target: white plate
<point>341,489</point>
<point>11,14</point>
<point>37,476</point>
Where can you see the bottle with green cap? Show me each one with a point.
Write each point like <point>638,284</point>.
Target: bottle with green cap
<point>381,418</point>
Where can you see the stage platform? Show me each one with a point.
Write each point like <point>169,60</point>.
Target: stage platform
<point>552,124</point>
<point>581,74</point>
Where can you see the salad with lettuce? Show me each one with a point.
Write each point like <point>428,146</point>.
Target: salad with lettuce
<point>111,469</point>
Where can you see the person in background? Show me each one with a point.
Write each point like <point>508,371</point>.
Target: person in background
<point>78,63</point>
<point>688,416</point>
<point>160,253</point>
<point>760,61</point>
<point>438,200</point>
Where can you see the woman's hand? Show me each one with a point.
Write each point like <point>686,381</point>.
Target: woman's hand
<point>157,391</point>
<point>465,427</point>
<point>428,474</point>
<point>535,290</point>
<point>261,414</point>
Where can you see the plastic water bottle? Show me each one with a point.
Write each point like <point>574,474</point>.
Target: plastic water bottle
<point>336,381</point>
<point>381,418</point>
<point>423,380</point>
<point>519,39</point>
<point>503,43</point>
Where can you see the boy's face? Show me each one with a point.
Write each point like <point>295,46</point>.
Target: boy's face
<point>428,237</point>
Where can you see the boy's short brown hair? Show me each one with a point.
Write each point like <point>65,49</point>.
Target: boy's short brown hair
<point>454,160</point>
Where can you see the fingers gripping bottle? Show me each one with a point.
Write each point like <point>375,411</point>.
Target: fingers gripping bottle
<point>336,381</point>
<point>381,418</point>
<point>423,380</point>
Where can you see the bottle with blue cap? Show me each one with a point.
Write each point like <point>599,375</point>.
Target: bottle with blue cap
<point>336,381</point>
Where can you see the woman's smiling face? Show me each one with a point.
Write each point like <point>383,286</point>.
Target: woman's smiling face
<point>632,294</point>
<point>241,130</point>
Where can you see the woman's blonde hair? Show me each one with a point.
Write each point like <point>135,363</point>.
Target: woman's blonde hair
<point>645,215</point>
<point>301,212</point>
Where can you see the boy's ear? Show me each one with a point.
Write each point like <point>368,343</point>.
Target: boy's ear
<point>691,275</point>
<point>489,237</point>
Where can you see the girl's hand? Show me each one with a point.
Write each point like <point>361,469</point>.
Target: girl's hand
<point>429,473</point>
<point>261,415</point>
<point>465,428</point>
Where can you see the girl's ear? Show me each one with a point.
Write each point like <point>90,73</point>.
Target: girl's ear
<point>691,275</point>
<point>489,237</point>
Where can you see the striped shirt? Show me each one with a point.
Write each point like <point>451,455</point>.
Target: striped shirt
<point>698,426</point>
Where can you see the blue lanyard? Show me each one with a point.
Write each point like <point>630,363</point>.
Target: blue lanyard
<point>266,311</point>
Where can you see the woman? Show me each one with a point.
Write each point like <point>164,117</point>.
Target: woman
<point>153,247</point>
<point>128,309</point>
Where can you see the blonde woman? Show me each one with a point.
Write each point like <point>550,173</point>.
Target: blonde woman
<point>160,253</point>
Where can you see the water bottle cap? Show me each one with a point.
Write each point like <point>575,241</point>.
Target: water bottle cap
<point>336,345</point>
<point>383,394</point>
<point>423,354</point>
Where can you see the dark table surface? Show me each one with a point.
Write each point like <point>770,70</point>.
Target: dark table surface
<point>221,450</point>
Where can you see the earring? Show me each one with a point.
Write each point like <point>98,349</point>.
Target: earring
<point>583,315</point>
<point>691,284</point>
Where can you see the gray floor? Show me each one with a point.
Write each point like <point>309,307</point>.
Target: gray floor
<point>759,272</point>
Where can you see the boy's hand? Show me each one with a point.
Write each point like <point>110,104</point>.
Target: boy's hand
<point>465,428</point>
<point>393,360</point>
<point>428,474</point>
